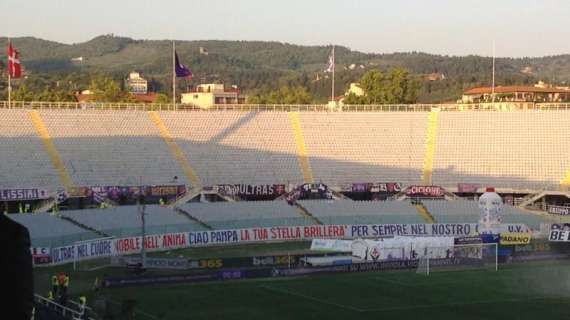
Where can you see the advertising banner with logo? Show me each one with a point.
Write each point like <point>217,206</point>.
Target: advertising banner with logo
<point>156,263</point>
<point>425,192</point>
<point>515,238</point>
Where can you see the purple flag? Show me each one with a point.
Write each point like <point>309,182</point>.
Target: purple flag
<point>181,70</point>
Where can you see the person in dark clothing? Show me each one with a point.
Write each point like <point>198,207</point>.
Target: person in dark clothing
<point>17,273</point>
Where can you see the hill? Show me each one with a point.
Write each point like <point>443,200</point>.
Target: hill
<point>261,66</point>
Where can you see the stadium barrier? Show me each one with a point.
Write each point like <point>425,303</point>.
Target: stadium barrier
<point>496,106</point>
<point>108,247</point>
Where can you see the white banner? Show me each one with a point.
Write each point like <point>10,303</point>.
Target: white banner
<point>334,245</point>
<point>559,236</point>
<point>98,248</point>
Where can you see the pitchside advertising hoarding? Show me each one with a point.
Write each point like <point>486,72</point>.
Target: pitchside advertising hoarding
<point>100,248</point>
<point>515,238</point>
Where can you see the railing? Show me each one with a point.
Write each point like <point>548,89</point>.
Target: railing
<point>63,310</point>
<point>497,106</point>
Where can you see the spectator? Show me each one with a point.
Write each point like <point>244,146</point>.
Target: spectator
<point>65,283</point>
<point>54,284</point>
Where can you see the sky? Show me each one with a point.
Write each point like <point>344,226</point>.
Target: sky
<point>452,27</point>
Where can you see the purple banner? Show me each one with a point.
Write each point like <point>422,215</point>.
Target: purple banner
<point>127,194</point>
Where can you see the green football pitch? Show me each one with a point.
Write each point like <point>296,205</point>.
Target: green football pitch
<point>519,291</point>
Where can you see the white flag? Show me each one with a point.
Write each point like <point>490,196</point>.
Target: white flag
<point>330,66</point>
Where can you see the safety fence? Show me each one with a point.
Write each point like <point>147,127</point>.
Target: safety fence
<point>497,106</point>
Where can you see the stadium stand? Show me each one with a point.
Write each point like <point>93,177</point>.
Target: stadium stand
<point>24,163</point>
<point>111,148</point>
<point>48,230</point>
<point>362,212</point>
<point>126,220</point>
<point>365,146</point>
<point>237,147</point>
<point>463,211</point>
<point>518,149</point>
<point>229,215</point>
<point>125,147</point>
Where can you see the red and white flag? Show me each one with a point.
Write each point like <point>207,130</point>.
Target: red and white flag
<point>14,65</point>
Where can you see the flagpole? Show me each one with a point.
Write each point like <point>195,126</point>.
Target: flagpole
<point>9,90</point>
<point>333,67</point>
<point>9,81</point>
<point>173,75</point>
<point>493,85</point>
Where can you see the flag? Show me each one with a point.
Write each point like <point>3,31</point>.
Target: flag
<point>330,67</point>
<point>61,196</point>
<point>181,70</point>
<point>14,66</point>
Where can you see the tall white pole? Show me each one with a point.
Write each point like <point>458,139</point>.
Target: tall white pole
<point>9,89</point>
<point>173,75</point>
<point>493,85</point>
<point>9,81</point>
<point>333,67</point>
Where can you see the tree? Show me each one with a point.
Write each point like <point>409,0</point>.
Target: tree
<point>397,86</point>
<point>107,90</point>
<point>162,98</point>
<point>284,95</point>
<point>22,94</point>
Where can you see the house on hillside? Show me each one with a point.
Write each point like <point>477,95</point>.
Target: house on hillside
<point>537,93</point>
<point>136,84</point>
<point>207,95</point>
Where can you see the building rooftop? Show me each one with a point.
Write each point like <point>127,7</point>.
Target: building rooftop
<point>510,89</point>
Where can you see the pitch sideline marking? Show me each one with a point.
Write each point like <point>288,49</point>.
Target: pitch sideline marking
<point>300,295</point>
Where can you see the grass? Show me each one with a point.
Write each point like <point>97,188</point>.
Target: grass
<point>519,291</point>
